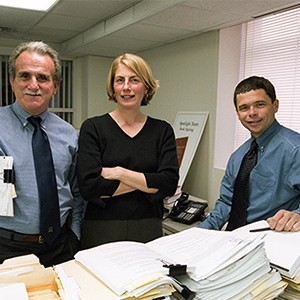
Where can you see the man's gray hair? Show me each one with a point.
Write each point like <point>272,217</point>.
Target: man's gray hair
<point>41,48</point>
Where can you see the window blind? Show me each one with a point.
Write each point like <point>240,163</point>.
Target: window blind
<point>271,48</point>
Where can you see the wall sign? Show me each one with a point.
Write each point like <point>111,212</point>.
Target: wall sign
<point>188,128</point>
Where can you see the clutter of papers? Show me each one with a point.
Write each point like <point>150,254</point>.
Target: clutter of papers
<point>220,265</point>
<point>208,264</point>
<point>24,278</point>
<point>283,252</point>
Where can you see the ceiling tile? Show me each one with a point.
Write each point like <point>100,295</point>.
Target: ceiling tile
<point>110,27</point>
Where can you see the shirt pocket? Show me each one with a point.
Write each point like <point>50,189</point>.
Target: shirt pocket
<point>262,188</point>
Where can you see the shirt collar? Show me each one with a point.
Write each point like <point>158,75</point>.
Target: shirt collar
<point>22,115</point>
<point>263,139</point>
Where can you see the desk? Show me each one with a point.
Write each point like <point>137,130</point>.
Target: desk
<point>170,226</point>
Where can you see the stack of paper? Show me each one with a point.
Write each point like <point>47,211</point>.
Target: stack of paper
<point>266,287</point>
<point>283,252</point>
<point>121,270</point>
<point>24,277</point>
<point>220,265</point>
<point>292,292</point>
<point>246,279</point>
<point>226,265</point>
<point>79,283</point>
<point>282,248</point>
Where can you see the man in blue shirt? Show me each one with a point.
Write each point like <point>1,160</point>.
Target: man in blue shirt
<point>274,183</point>
<point>35,74</point>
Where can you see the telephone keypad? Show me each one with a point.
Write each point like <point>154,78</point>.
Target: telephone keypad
<point>187,211</point>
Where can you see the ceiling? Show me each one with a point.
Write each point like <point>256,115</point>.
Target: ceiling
<point>110,27</point>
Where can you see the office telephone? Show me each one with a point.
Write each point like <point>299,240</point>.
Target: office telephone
<point>187,211</point>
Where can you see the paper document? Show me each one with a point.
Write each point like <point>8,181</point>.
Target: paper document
<point>205,251</point>
<point>6,186</point>
<point>73,275</point>
<point>282,248</point>
<point>27,269</point>
<point>123,266</point>
<point>13,291</point>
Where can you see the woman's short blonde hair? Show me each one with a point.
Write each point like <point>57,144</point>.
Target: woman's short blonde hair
<point>140,67</point>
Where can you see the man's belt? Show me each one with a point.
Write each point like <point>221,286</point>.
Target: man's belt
<point>15,236</point>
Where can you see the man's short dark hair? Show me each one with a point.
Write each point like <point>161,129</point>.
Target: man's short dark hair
<point>254,83</point>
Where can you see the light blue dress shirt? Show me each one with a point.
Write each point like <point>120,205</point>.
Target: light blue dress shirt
<point>274,182</point>
<point>15,140</point>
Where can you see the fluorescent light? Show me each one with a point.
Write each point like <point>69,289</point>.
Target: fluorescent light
<point>42,5</point>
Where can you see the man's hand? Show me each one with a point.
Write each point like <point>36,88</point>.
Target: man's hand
<point>285,221</point>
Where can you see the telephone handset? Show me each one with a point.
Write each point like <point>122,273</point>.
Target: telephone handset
<point>187,211</point>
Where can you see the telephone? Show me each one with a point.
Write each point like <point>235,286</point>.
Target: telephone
<point>187,211</point>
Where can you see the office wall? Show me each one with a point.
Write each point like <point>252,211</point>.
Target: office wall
<point>89,91</point>
<point>188,75</point>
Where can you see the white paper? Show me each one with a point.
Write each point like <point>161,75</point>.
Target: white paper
<point>125,265</point>
<point>13,291</point>
<point>205,251</point>
<point>282,248</point>
<point>6,189</point>
<point>71,288</point>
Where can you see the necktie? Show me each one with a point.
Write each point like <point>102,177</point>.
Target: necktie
<point>46,182</point>
<point>238,214</point>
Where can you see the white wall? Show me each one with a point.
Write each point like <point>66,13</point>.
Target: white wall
<point>228,74</point>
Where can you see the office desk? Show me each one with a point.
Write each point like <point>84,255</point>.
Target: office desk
<point>170,226</point>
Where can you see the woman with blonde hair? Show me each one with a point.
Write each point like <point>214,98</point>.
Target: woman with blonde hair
<point>127,161</point>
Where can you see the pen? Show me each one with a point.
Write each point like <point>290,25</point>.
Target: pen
<point>260,229</point>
